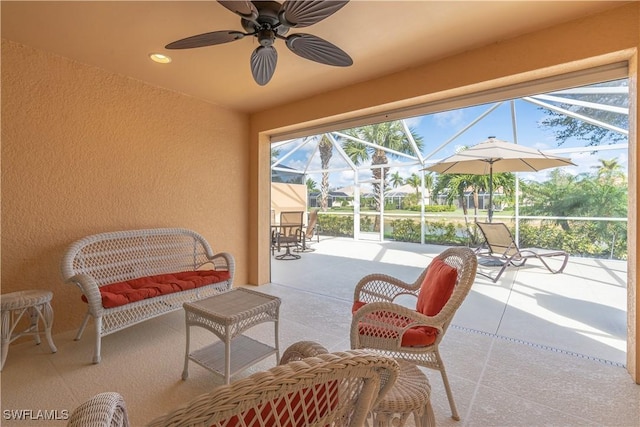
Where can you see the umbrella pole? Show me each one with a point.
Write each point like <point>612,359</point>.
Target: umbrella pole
<point>490,191</point>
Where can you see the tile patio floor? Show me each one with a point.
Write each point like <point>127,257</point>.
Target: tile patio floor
<point>535,349</point>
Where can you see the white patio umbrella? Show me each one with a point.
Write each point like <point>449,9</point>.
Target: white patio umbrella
<point>494,155</point>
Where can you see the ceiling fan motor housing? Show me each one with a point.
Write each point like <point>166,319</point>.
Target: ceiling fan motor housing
<point>267,24</point>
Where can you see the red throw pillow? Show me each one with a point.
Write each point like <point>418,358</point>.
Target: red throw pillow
<point>437,287</point>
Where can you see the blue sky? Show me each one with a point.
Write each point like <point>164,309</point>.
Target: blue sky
<point>442,126</point>
<point>437,128</point>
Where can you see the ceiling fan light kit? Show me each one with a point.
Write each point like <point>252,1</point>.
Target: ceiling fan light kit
<point>270,20</point>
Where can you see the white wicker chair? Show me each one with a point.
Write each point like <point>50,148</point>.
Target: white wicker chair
<point>331,389</point>
<point>390,320</point>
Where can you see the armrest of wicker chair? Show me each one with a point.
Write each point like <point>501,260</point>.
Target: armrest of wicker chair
<point>382,325</point>
<point>382,287</point>
<point>226,260</point>
<point>301,350</point>
<point>105,409</point>
<point>90,290</point>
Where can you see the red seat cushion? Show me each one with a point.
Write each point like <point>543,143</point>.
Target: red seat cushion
<point>418,336</point>
<point>121,293</point>
<point>436,288</point>
<point>306,406</point>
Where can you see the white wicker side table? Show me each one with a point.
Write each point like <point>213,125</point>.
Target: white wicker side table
<point>34,303</point>
<point>410,394</point>
<point>227,315</point>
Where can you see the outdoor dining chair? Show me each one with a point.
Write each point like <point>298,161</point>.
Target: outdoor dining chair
<point>501,247</point>
<point>289,234</point>
<point>382,324</point>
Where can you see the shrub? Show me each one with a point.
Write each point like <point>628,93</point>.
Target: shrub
<point>437,232</point>
<point>336,225</point>
<point>405,230</point>
<point>439,208</point>
<point>443,232</point>
<point>582,238</point>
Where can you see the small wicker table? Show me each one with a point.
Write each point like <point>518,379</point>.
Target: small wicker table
<point>13,306</point>
<point>227,315</point>
<point>410,394</point>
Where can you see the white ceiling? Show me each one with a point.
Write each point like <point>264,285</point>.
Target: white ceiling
<point>382,37</point>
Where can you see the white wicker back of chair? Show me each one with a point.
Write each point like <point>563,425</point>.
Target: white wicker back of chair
<point>333,389</point>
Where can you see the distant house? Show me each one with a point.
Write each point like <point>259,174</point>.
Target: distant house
<point>483,200</point>
<point>396,195</point>
<point>334,198</point>
<point>341,195</point>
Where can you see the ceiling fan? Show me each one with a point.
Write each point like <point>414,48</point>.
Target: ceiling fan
<point>270,20</point>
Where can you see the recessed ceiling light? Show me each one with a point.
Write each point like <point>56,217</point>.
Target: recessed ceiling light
<point>159,58</point>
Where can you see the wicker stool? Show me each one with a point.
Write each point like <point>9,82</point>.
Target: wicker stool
<point>409,395</point>
<point>36,304</point>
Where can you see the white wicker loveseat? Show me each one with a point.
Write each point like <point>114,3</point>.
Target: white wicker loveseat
<point>127,277</point>
<point>310,388</point>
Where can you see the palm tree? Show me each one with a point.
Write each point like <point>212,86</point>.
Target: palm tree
<point>311,185</point>
<point>428,184</point>
<point>506,182</point>
<point>414,181</point>
<point>455,186</point>
<point>610,171</point>
<point>389,135</point>
<point>396,179</point>
<point>326,151</point>
<point>559,196</point>
<point>275,153</point>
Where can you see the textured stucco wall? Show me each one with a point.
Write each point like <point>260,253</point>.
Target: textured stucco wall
<point>87,151</point>
<point>288,197</point>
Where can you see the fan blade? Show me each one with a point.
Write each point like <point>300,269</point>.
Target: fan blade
<point>263,64</point>
<point>206,39</point>
<point>245,9</point>
<point>316,49</point>
<point>303,13</point>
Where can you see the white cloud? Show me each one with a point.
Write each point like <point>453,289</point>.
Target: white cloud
<point>448,118</point>
<point>413,122</point>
